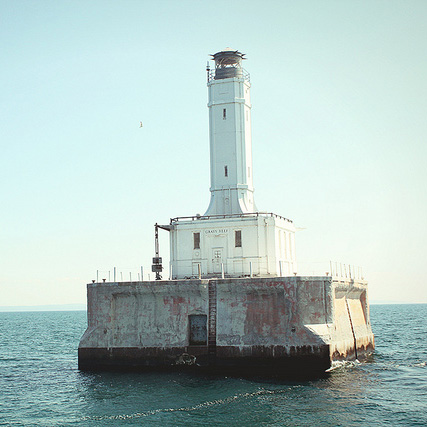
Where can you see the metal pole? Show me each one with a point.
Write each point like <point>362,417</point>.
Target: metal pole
<point>114,274</point>
<point>121,276</point>
<point>222,270</point>
<point>250,268</point>
<point>156,246</point>
<point>97,271</point>
<point>156,239</point>
<point>130,276</point>
<point>199,269</point>
<point>142,274</point>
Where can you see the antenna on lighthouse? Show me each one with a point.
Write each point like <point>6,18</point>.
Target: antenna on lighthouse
<point>208,69</point>
<point>157,260</point>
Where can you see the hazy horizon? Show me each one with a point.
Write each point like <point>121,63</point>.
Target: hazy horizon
<point>83,307</point>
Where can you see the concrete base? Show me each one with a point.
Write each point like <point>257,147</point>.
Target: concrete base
<point>281,326</point>
<point>302,364</point>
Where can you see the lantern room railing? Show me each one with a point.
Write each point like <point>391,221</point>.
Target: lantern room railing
<point>245,75</point>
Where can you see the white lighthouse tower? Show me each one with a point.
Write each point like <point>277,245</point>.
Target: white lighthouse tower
<point>233,238</point>
<point>230,136</point>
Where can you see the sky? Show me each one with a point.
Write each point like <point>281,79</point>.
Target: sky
<point>339,129</point>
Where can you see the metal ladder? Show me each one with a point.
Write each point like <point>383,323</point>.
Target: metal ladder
<point>212,320</point>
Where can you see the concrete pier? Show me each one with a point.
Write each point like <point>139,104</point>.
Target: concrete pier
<point>279,325</point>
<point>252,320</point>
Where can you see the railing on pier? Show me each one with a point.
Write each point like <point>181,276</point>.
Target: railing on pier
<point>120,275</point>
<point>251,268</point>
<point>346,271</point>
<point>335,269</point>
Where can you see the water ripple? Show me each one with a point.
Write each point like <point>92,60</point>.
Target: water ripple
<point>41,385</point>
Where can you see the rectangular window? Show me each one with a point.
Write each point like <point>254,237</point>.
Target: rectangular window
<point>238,238</point>
<point>225,171</point>
<point>196,238</point>
<point>224,113</point>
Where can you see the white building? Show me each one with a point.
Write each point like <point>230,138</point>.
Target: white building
<point>232,238</point>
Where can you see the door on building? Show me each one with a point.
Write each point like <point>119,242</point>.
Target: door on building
<point>198,329</point>
<point>217,260</point>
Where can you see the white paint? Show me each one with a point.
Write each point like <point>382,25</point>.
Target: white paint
<point>267,240</point>
<point>260,248</point>
<point>230,147</point>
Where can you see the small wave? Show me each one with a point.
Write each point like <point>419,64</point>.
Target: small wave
<point>197,407</point>
<point>406,364</point>
<point>10,359</point>
<point>341,364</point>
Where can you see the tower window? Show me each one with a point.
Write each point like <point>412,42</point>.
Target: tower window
<point>238,238</point>
<point>224,113</point>
<point>225,170</point>
<point>196,239</point>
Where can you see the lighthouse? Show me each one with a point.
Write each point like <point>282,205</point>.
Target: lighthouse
<point>230,136</point>
<point>233,238</point>
<point>229,305</point>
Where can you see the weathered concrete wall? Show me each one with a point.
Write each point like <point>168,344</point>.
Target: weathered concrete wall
<point>142,314</point>
<point>353,335</point>
<point>268,311</point>
<point>251,322</point>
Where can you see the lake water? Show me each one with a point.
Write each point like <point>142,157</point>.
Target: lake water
<point>40,384</point>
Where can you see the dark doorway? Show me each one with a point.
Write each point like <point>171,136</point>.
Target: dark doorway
<point>198,329</point>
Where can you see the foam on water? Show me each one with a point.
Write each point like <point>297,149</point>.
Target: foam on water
<point>342,364</point>
<point>202,405</point>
